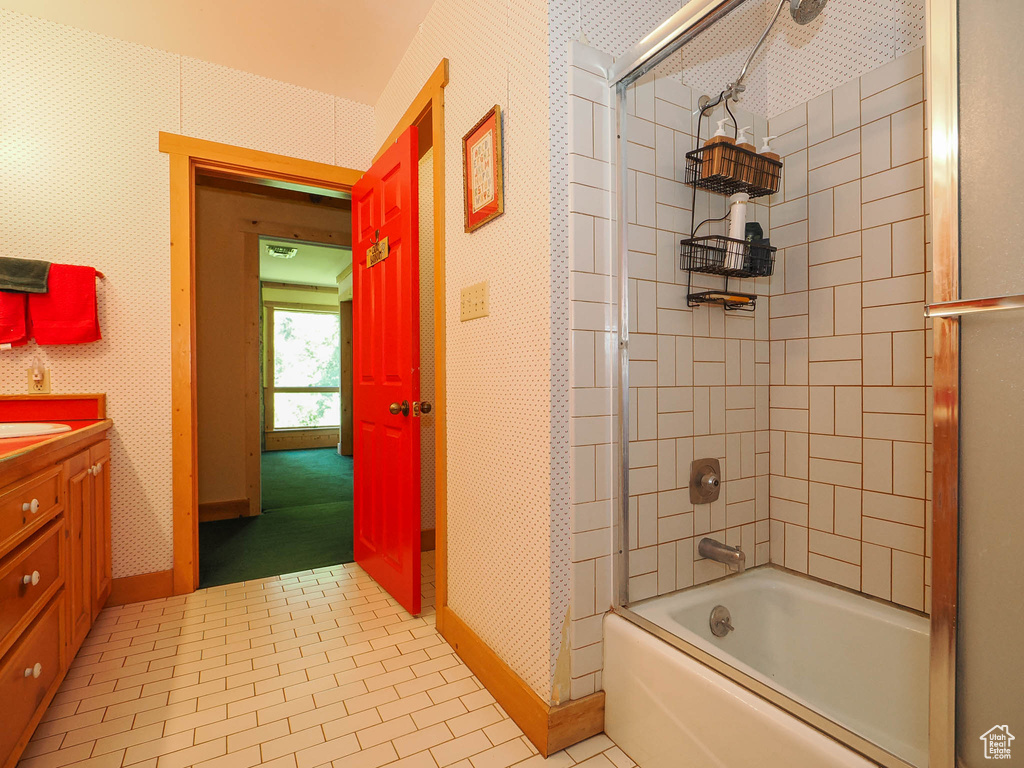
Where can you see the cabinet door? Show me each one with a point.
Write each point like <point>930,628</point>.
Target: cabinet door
<point>79,527</point>
<point>102,575</point>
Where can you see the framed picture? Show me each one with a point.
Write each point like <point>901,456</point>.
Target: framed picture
<point>481,166</point>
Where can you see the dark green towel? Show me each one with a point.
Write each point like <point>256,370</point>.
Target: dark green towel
<point>25,275</point>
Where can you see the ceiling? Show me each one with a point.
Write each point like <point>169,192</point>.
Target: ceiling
<point>314,264</point>
<point>347,48</point>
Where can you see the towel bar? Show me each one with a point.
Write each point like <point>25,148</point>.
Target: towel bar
<point>972,306</point>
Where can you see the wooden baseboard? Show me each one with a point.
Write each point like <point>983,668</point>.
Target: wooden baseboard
<point>146,586</point>
<point>549,728</point>
<point>428,540</point>
<point>223,510</point>
<point>301,439</point>
<point>574,721</point>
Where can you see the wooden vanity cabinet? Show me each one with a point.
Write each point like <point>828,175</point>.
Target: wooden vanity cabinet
<point>102,572</point>
<point>79,515</point>
<point>55,574</point>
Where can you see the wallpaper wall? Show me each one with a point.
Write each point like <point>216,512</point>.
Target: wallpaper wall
<point>507,571</point>
<point>83,182</point>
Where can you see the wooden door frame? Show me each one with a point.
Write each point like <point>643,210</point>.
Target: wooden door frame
<point>187,156</point>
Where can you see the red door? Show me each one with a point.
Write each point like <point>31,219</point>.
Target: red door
<point>386,371</point>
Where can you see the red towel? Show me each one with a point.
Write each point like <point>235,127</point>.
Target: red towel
<point>13,324</point>
<point>66,313</point>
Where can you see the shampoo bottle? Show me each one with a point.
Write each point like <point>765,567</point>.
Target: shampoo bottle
<point>715,162</point>
<point>773,173</point>
<point>744,165</point>
<point>736,250</point>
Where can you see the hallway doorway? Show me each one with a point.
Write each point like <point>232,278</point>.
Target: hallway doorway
<point>191,158</point>
<point>274,494</point>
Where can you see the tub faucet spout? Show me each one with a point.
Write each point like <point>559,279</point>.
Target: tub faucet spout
<point>733,557</point>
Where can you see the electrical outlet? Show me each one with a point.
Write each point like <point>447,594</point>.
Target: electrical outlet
<point>39,387</point>
<point>475,302</point>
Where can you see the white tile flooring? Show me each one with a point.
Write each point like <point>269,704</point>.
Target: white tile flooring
<point>309,669</point>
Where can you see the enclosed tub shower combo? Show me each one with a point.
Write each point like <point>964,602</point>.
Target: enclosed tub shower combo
<point>768,269</point>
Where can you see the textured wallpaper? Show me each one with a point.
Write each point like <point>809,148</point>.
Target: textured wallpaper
<point>502,578</point>
<point>84,183</point>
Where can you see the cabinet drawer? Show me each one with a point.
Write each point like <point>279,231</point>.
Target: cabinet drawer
<point>23,695</point>
<point>40,562</point>
<point>27,505</point>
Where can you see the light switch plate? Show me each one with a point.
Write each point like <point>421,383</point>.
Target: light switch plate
<point>474,301</point>
<point>39,388</point>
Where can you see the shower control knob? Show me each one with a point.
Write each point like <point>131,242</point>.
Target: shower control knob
<point>705,480</point>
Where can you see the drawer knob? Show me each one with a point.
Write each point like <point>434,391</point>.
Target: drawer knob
<point>32,578</point>
<point>35,671</point>
<point>30,506</point>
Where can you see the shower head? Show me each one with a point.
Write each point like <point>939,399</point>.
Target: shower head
<point>802,11</point>
<point>805,11</point>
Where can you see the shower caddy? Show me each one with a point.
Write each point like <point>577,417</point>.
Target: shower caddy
<point>726,169</point>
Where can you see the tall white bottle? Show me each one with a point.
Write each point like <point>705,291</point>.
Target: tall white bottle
<point>736,252</point>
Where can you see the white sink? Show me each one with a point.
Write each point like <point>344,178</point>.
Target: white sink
<point>31,429</point>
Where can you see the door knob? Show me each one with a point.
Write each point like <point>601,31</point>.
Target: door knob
<point>400,409</point>
<point>425,407</point>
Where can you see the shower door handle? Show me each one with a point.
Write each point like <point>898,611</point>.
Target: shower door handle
<point>973,306</point>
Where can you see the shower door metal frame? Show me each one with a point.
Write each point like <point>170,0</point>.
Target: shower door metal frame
<point>941,53</point>
<point>942,74</point>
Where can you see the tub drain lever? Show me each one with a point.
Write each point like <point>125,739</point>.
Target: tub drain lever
<point>720,621</point>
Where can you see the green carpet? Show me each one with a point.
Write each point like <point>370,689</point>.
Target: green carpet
<point>306,521</point>
<point>301,478</point>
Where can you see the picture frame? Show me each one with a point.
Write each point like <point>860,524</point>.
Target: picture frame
<point>482,159</point>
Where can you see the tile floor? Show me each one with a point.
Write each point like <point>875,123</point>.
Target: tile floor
<point>310,669</point>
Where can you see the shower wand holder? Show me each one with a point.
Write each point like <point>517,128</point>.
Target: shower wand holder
<point>727,169</point>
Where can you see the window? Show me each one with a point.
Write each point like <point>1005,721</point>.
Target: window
<point>303,368</point>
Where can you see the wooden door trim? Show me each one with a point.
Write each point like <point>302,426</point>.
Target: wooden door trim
<point>187,156</point>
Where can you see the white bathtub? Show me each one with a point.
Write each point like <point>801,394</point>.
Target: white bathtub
<point>861,663</point>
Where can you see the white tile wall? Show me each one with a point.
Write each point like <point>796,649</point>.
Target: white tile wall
<point>817,405</point>
<point>593,409</point>
<point>852,501</point>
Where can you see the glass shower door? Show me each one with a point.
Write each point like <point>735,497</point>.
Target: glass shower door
<point>990,662</point>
